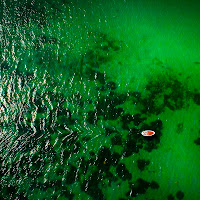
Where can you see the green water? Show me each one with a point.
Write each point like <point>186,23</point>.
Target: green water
<point>80,81</point>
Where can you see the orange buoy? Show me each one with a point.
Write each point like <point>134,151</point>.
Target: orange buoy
<point>148,133</point>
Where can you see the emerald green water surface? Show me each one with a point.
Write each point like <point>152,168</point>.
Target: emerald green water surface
<point>80,81</point>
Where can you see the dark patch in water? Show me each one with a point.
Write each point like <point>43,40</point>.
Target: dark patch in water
<point>170,197</point>
<point>142,164</point>
<point>179,195</point>
<point>196,98</point>
<point>197,141</point>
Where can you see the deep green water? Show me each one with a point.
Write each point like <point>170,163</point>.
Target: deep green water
<point>80,81</point>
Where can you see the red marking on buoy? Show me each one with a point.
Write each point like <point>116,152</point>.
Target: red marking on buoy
<point>148,133</point>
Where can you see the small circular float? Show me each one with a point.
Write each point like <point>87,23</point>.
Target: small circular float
<point>148,133</point>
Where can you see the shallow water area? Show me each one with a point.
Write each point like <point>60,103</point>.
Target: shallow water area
<point>80,81</point>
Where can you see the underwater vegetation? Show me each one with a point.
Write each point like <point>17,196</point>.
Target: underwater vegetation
<point>49,147</point>
<point>197,141</point>
<point>140,187</point>
<point>142,164</point>
<point>179,195</point>
<point>170,197</point>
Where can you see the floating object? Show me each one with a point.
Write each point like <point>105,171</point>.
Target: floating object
<point>148,133</point>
